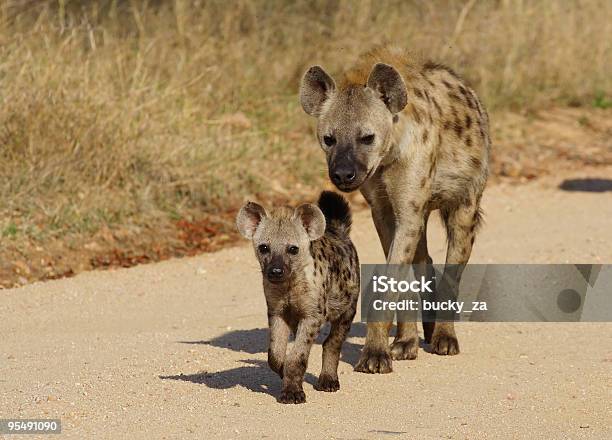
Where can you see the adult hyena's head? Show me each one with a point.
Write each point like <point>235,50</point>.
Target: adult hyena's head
<point>355,122</point>
<point>281,238</point>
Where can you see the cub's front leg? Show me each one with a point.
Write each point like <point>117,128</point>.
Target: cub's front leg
<point>297,361</point>
<point>279,335</point>
<point>332,347</point>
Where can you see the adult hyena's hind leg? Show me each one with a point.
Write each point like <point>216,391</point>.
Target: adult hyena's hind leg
<point>461,223</point>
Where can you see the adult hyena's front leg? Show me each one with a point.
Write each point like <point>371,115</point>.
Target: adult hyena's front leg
<point>375,356</point>
<point>296,362</point>
<point>279,335</point>
<point>461,223</point>
<point>422,264</point>
<point>405,248</point>
<point>406,342</point>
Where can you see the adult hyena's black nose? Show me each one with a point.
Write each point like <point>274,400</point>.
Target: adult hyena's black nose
<point>343,175</point>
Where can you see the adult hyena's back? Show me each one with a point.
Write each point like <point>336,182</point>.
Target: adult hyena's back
<point>462,127</point>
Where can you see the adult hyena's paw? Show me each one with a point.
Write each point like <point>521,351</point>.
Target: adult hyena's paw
<point>401,350</point>
<point>327,384</point>
<point>292,395</point>
<point>374,361</point>
<point>444,344</point>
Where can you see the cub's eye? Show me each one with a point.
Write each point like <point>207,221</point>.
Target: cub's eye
<point>367,140</point>
<point>293,250</point>
<point>263,248</point>
<point>330,141</point>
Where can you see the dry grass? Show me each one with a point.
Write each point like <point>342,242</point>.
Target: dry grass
<point>132,113</point>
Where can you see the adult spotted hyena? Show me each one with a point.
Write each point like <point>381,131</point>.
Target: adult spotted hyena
<point>413,138</point>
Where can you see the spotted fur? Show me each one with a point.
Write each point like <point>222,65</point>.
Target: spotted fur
<point>320,284</point>
<point>427,149</point>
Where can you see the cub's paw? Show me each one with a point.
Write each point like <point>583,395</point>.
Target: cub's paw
<point>374,361</point>
<point>444,344</point>
<point>401,350</point>
<point>292,396</point>
<point>327,383</point>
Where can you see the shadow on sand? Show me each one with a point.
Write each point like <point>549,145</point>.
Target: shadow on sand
<point>256,341</point>
<point>256,375</point>
<point>586,185</point>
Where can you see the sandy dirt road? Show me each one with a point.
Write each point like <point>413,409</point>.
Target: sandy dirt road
<point>178,349</point>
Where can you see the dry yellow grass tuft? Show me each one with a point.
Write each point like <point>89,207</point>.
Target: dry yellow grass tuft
<point>137,113</point>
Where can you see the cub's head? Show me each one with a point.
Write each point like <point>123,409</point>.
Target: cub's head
<point>355,123</point>
<point>282,237</point>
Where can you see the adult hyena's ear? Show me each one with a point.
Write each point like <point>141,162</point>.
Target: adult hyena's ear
<point>312,219</point>
<point>248,219</point>
<point>315,89</point>
<point>389,84</point>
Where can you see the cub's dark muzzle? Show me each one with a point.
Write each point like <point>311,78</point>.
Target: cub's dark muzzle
<point>276,271</point>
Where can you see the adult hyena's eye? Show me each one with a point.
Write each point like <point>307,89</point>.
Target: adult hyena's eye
<point>293,250</point>
<point>329,140</point>
<point>367,139</point>
<point>263,248</point>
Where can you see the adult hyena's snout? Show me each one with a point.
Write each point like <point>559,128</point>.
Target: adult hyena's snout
<point>346,172</point>
<point>343,175</point>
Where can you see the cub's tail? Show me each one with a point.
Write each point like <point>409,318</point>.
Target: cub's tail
<point>337,212</point>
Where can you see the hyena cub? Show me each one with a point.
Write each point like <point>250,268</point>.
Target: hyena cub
<point>310,276</point>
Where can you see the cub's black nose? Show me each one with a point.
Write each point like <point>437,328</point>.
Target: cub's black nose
<point>343,175</point>
<point>275,273</point>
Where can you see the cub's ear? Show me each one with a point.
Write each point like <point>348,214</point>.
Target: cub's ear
<point>312,219</point>
<point>248,219</point>
<point>315,89</point>
<point>389,83</point>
